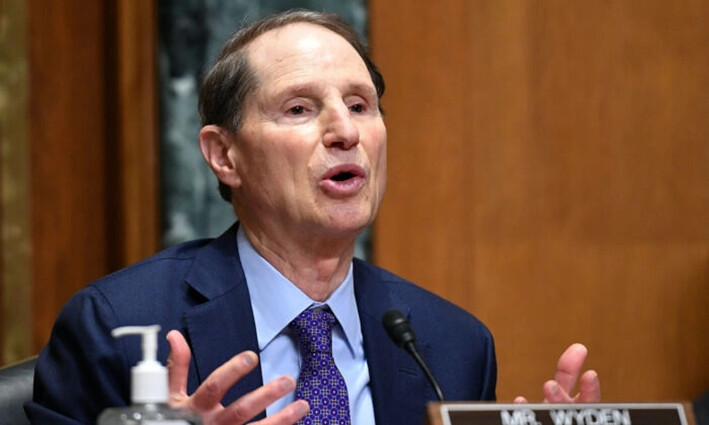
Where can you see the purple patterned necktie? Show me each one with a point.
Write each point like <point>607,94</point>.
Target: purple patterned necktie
<point>320,382</point>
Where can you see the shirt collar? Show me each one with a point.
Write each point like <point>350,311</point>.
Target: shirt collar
<point>276,301</point>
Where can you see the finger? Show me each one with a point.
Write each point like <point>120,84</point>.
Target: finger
<point>256,401</point>
<point>589,388</point>
<point>554,393</point>
<point>289,415</point>
<point>178,363</point>
<point>569,367</point>
<point>212,390</point>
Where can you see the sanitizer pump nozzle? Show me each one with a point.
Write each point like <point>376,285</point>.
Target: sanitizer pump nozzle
<point>148,377</point>
<point>148,388</point>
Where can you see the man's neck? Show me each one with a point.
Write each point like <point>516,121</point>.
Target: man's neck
<point>316,267</point>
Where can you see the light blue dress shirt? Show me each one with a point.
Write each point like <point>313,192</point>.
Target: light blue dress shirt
<point>276,302</point>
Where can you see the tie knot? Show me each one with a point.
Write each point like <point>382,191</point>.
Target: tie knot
<point>313,327</point>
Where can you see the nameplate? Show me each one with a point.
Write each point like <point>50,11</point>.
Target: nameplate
<point>558,414</point>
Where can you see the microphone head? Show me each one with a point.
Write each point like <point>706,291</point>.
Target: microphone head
<point>398,328</point>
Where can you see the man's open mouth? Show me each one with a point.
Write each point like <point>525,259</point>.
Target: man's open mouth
<point>343,180</point>
<point>340,177</point>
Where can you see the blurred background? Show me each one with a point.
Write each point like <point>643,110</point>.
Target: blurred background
<point>548,167</point>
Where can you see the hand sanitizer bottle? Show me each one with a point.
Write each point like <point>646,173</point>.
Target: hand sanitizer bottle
<point>148,388</point>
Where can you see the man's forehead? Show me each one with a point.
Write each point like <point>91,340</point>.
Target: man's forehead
<point>298,50</point>
<point>294,38</point>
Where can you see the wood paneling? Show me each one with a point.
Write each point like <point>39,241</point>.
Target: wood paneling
<point>138,128</point>
<point>93,145</point>
<point>547,172</point>
<point>68,138</point>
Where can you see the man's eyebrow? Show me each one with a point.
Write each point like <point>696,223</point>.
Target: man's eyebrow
<point>298,88</point>
<point>313,86</point>
<point>364,88</point>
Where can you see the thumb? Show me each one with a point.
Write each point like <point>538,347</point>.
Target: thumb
<point>178,364</point>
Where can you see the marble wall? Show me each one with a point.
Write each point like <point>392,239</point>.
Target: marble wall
<point>15,273</point>
<point>191,35</point>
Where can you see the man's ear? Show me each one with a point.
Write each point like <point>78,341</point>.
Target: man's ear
<point>217,145</point>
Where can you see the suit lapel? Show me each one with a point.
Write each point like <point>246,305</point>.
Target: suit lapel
<point>223,325</point>
<point>395,379</point>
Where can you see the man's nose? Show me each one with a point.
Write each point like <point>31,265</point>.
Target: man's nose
<point>341,131</point>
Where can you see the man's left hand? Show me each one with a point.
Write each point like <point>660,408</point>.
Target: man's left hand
<point>568,370</point>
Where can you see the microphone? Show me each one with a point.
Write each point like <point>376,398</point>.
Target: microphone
<point>400,331</point>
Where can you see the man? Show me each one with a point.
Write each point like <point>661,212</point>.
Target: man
<point>293,130</point>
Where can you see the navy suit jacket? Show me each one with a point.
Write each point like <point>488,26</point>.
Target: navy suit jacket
<point>199,288</point>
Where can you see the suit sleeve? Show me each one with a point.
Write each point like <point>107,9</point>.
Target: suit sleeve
<point>489,380</point>
<point>82,370</point>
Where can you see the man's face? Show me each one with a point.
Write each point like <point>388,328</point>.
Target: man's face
<point>311,152</point>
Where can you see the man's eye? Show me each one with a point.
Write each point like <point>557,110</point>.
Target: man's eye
<point>357,108</point>
<point>296,110</point>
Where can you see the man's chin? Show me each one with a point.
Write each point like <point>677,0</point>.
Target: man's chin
<point>346,228</point>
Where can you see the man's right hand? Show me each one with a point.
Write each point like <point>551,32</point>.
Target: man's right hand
<point>206,400</point>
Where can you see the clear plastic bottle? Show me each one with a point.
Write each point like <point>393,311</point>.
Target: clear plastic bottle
<point>148,389</point>
<point>147,414</point>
